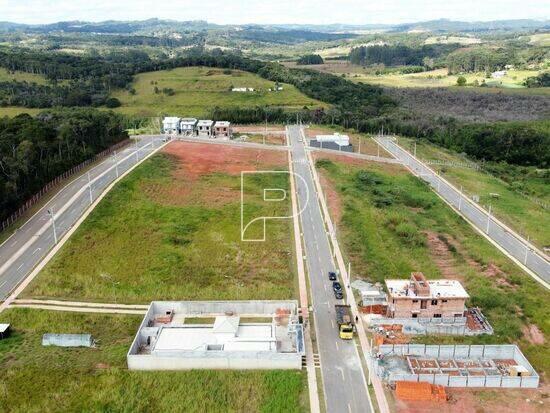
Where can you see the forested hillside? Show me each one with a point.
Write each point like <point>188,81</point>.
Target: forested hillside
<point>33,151</point>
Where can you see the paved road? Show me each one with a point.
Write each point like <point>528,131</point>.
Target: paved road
<point>343,379</point>
<point>504,237</point>
<point>20,253</point>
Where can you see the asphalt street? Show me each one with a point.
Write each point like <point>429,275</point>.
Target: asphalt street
<point>20,253</point>
<point>505,238</point>
<point>343,378</point>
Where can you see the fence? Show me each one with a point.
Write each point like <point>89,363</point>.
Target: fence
<point>460,377</point>
<point>54,183</point>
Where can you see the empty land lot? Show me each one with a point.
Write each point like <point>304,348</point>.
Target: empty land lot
<point>390,224</point>
<point>199,89</point>
<point>521,213</point>
<point>171,230</point>
<point>48,379</point>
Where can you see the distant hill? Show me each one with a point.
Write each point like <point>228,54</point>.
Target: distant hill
<point>271,32</point>
<point>444,25</point>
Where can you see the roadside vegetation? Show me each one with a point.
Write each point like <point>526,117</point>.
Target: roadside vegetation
<point>171,230</point>
<point>390,224</point>
<point>518,196</point>
<point>44,379</point>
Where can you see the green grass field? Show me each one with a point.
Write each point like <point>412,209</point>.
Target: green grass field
<point>5,76</point>
<point>440,78</point>
<point>511,207</point>
<point>12,111</point>
<point>393,224</point>
<point>199,89</point>
<point>52,379</point>
<point>160,234</point>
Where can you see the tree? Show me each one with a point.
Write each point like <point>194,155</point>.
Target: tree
<point>112,103</point>
<point>461,81</point>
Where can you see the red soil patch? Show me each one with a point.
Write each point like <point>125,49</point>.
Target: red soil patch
<point>332,197</point>
<point>481,401</point>
<point>197,159</point>
<point>442,256</point>
<point>533,334</point>
<point>258,128</point>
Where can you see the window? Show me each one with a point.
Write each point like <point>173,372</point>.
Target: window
<point>415,315</point>
<point>423,304</point>
<point>443,301</point>
<point>415,301</point>
<point>437,315</point>
<point>434,302</point>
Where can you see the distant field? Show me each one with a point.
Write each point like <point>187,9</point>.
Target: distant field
<point>434,78</point>
<point>541,39</point>
<point>516,210</point>
<point>171,230</point>
<point>452,39</point>
<point>391,223</point>
<point>199,89</point>
<point>12,111</point>
<point>53,379</point>
<point>21,77</point>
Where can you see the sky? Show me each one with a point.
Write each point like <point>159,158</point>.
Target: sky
<point>272,11</point>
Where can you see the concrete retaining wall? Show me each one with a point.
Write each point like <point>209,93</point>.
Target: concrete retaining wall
<point>216,361</point>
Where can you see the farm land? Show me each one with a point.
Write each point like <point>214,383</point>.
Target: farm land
<point>196,90</point>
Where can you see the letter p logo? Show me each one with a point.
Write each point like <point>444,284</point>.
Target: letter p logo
<point>265,195</point>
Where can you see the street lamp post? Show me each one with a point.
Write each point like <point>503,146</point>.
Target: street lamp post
<point>90,189</point>
<point>52,217</point>
<point>488,219</point>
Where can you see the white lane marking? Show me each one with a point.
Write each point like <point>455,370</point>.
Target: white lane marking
<point>349,408</point>
<point>343,377</point>
<point>337,348</point>
<point>4,283</point>
<point>18,268</point>
<point>332,323</point>
<point>36,250</point>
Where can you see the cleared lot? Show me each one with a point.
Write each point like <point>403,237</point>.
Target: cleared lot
<point>171,230</point>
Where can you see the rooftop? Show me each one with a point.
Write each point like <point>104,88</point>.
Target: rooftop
<point>206,122</point>
<point>171,119</point>
<point>189,120</point>
<point>222,124</point>
<point>4,328</point>
<point>437,289</point>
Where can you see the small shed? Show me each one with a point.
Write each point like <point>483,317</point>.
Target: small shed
<point>4,331</point>
<point>68,340</point>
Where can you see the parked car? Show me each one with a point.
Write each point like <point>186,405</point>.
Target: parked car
<point>338,294</point>
<point>332,276</point>
<point>336,286</point>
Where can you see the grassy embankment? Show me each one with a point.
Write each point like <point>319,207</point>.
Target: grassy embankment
<point>516,210</point>
<point>51,379</point>
<point>199,89</point>
<point>163,234</point>
<point>393,224</point>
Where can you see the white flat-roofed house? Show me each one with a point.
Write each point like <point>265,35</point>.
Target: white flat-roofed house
<point>222,129</point>
<point>188,126</point>
<point>420,298</point>
<point>173,343</point>
<point>205,128</point>
<point>171,125</point>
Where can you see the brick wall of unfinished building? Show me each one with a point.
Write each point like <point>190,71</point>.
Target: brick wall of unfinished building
<point>405,307</point>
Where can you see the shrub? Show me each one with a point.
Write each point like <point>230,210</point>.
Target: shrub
<point>112,103</point>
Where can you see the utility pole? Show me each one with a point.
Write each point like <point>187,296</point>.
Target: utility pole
<point>526,253</point>
<point>460,199</point>
<point>378,149</point>
<point>90,189</point>
<point>52,217</point>
<point>415,149</point>
<point>116,164</point>
<point>488,219</point>
<point>360,139</point>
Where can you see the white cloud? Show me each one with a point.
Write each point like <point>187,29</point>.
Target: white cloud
<point>275,11</point>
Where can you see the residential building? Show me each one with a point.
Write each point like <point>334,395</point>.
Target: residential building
<point>166,340</point>
<point>171,125</point>
<point>205,128</point>
<point>222,129</point>
<point>188,126</point>
<point>420,298</point>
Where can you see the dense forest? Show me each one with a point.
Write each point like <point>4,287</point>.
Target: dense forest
<point>33,151</point>
<point>399,55</point>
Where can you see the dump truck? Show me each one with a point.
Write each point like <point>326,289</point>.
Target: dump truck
<point>344,319</point>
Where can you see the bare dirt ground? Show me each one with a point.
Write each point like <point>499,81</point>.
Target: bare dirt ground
<point>533,334</point>
<point>255,133</point>
<point>482,401</point>
<point>275,129</point>
<point>199,161</point>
